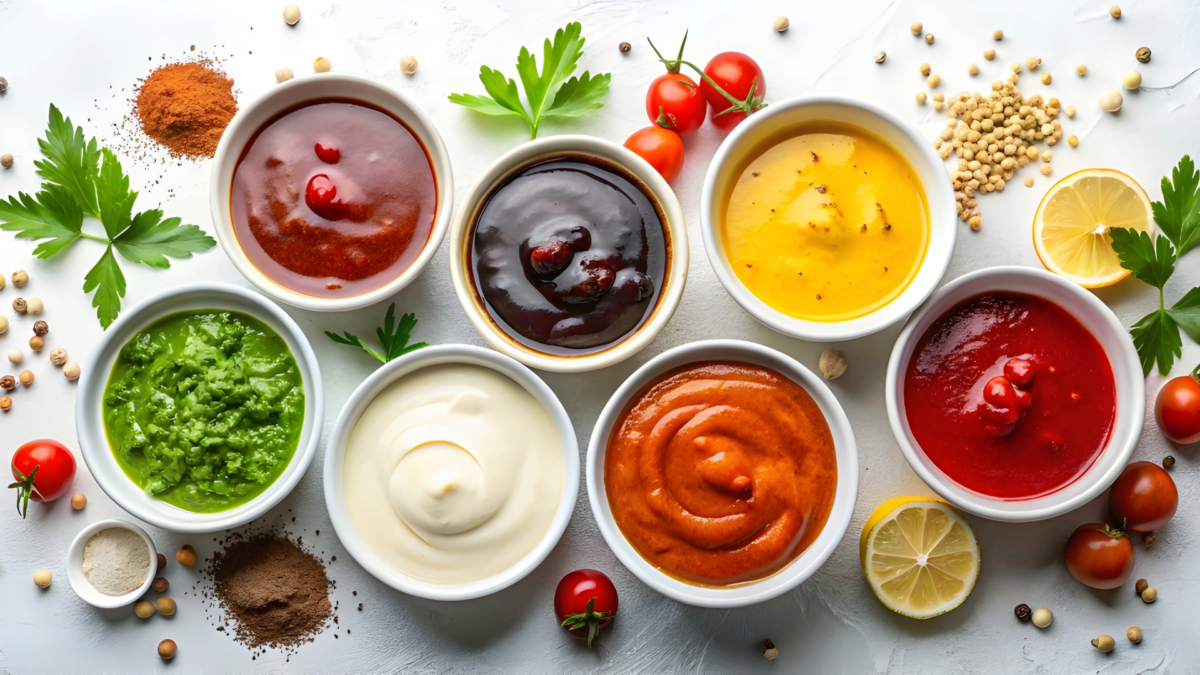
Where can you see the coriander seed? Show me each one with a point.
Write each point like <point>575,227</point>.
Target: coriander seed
<point>165,606</point>
<point>283,75</point>
<point>36,343</point>
<point>6,160</point>
<point>1149,595</point>
<point>291,14</point>
<point>144,609</point>
<point>20,278</point>
<point>1104,643</point>
<point>920,98</point>
<point>929,38</point>
<point>26,377</point>
<point>1081,70</point>
<point>973,70</point>
<point>322,65</point>
<point>5,404</point>
<point>998,35</point>
<point>624,47</point>
<point>1168,462</point>
<point>934,80</point>
<point>42,578</point>
<point>881,57</point>
<point>71,371</point>
<point>58,356</point>
<point>989,54</point>
<point>408,65</point>
<point>1046,78</point>
<point>1142,55</point>
<point>915,28</point>
<point>1073,141</point>
<point>1115,12</point>
<point>1134,634</point>
<point>781,24</point>
<point>926,69</point>
<point>1069,110</point>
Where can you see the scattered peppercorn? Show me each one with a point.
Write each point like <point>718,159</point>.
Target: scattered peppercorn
<point>1150,539</point>
<point>1028,182</point>
<point>1132,79</point>
<point>1042,617</point>
<point>973,70</point>
<point>167,649</point>
<point>8,382</point>
<point>144,609</point>
<point>5,404</point>
<point>20,305</point>
<point>1168,462</point>
<point>40,328</point>
<point>881,57</point>
<point>71,371</point>
<point>1143,54</point>
<point>1149,595</point>
<point>160,585</point>
<point>989,54</point>
<point>408,65</point>
<point>6,160</point>
<point>926,69</point>
<point>35,306</point>
<point>769,650</point>
<point>1104,643</point>
<point>781,24</point>
<point>1141,585</point>
<point>165,606</point>
<point>921,98</point>
<point>162,562</point>
<point>36,343</point>
<point>26,377</point>
<point>1046,78</point>
<point>42,578</point>
<point>929,38</point>
<point>291,14</point>
<point>1073,141</point>
<point>58,356</point>
<point>1081,70</point>
<point>3,85</point>
<point>916,28</point>
<point>1134,634</point>
<point>933,80</point>
<point>998,35</point>
<point>1024,614</point>
<point>15,355</point>
<point>186,555</point>
<point>322,65</point>
<point>625,47</point>
<point>20,278</point>
<point>78,501</point>
<point>3,324</point>
<point>1115,12</point>
<point>283,75</point>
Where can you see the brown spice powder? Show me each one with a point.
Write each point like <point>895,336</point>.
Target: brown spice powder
<point>185,107</point>
<point>276,593</point>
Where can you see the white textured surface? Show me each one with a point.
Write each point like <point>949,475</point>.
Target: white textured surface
<point>85,57</point>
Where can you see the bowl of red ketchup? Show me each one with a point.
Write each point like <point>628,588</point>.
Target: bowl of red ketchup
<point>331,192</point>
<point>1015,395</point>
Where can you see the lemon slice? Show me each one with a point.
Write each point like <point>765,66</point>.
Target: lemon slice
<point>1070,230</point>
<point>920,556</point>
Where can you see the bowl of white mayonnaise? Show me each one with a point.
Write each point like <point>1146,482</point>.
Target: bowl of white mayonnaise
<point>451,472</point>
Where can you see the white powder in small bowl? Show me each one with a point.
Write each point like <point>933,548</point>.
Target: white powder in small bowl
<point>116,561</point>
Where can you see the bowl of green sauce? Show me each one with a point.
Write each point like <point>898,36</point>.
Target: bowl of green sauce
<point>203,408</point>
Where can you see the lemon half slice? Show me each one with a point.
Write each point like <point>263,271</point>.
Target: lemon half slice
<point>1070,229</point>
<point>920,556</point>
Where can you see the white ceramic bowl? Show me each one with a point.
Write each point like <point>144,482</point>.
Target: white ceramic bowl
<point>803,567</point>
<point>283,96</point>
<point>89,414</point>
<point>335,453</point>
<point>84,588</point>
<point>1089,311</point>
<point>777,119</point>
<point>542,150</point>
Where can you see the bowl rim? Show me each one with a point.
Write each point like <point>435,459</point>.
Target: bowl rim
<point>83,588</point>
<point>544,149</point>
<point>88,415</point>
<point>944,229</point>
<point>225,161</point>
<point>352,411</point>
<point>1038,508</point>
<point>797,571</point>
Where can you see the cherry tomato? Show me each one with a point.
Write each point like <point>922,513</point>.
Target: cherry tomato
<point>736,73</point>
<point>1177,408</point>
<point>675,102</point>
<point>661,147</point>
<point>1143,498</point>
<point>1099,556</point>
<point>328,154</point>
<point>43,470</point>
<point>585,602</point>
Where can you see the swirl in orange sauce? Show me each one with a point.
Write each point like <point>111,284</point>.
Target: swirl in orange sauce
<point>721,473</point>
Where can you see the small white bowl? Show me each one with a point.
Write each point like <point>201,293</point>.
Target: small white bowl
<point>777,119</point>
<point>335,452</point>
<point>283,96</point>
<point>1108,331</point>
<point>797,571</point>
<point>544,150</point>
<point>84,588</point>
<point>89,400</point>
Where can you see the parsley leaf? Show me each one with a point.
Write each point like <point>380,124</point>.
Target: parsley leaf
<point>52,215</point>
<point>1151,261</point>
<point>1186,313</point>
<point>113,195</point>
<point>108,281</point>
<point>70,162</point>
<point>393,338</point>
<point>1178,214</point>
<point>547,93</point>
<point>149,238</point>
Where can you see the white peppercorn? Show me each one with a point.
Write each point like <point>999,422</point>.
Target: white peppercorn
<point>881,57</point>
<point>283,75</point>
<point>1132,79</point>
<point>921,98</point>
<point>58,356</point>
<point>929,38</point>
<point>408,65</point>
<point>916,28</point>
<point>3,325</point>
<point>998,35</point>
<point>20,278</point>
<point>973,70</point>
<point>1081,70</point>
<point>1115,12</point>
<point>322,65</point>
<point>781,24</point>
<point>1111,100</point>
<point>35,306</point>
<point>72,371</point>
<point>291,14</point>
<point>6,160</point>
<point>16,356</point>
<point>989,54</point>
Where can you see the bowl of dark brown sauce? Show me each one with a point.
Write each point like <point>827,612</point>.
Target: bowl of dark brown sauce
<point>331,192</point>
<point>569,254</point>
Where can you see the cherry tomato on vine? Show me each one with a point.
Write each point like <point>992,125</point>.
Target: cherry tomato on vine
<point>43,470</point>
<point>1099,556</point>
<point>1143,498</point>
<point>742,79</point>
<point>1177,408</point>
<point>585,602</point>
<point>675,102</point>
<point>662,148</point>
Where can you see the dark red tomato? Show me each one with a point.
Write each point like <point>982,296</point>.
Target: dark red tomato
<point>1143,498</point>
<point>675,102</point>
<point>1099,556</point>
<point>737,74</point>
<point>661,147</point>
<point>43,470</point>
<point>585,601</point>
<point>1177,408</point>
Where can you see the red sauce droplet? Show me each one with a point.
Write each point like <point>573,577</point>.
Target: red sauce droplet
<point>321,197</point>
<point>328,154</point>
<point>1019,371</point>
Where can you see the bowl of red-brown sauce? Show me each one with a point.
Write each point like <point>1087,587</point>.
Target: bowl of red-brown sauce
<point>569,254</point>
<point>1015,394</point>
<point>722,473</point>
<point>331,192</point>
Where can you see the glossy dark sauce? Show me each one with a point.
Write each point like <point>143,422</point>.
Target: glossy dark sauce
<point>569,255</point>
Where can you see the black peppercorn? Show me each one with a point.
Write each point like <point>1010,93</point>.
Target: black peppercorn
<point>1024,614</point>
<point>1143,55</point>
<point>1168,461</point>
<point>41,328</point>
<point>625,47</point>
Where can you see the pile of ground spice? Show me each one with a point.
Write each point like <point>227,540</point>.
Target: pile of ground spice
<point>274,593</point>
<point>185,107</point>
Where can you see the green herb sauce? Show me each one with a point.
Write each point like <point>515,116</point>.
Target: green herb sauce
<point>204,409</point>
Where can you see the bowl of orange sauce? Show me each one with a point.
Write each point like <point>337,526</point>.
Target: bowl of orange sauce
<point>827,218</point>
<point>722,473</point>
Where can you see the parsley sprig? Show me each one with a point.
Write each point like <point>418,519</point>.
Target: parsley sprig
<point>1156,335</point>
<point>393,337</point>
<point>84,180</point>
<point>548,93</point>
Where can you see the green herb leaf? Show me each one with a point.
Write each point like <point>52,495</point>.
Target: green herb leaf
<point>1186,313</point>
<point>544,90</point>
<point>113,195</point>
<point>108,281</point>
<point>1156,338</point>
<point>52,215</point>
<point>150,240</point>
<point>1178,214</point>
<point>354,341</point>
<point>70,162</point>
<point>393,338</point>
<point>1151,261</point>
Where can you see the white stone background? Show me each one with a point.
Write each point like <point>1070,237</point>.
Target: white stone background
<point>86,57</point>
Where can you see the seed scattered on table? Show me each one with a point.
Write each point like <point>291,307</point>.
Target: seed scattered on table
<point>1104,643</point>
<point>1132,79</point>
<point>283,75</point>
<point>881,57</point>
<point>1168,461</point>
<point>916,28</point>
<point>624,47</point>
<point>1081,70</point>
<point>1042,617</point>
<point>42,578</point>
<point>781,24</point>
<point>929,38</point>
<point>1134,634</point>
<point>1115,12</point>
<point>973,70</point>
<point>408,65</point>
<point>6,160</point>
<point>322,65</point>
<point>1142,55</point>
<point>78,501</point>
<point>291,14</point>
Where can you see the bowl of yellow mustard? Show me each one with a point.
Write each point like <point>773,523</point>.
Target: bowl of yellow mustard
<point>828,218</point>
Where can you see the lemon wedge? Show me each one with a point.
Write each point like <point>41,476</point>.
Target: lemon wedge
<point>920,556</point>
<point>1070,229</point>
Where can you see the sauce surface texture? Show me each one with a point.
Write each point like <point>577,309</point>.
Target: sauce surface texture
<point>333,198</point>
<point>569,256</point>
<point>1010,396</point>
<point>204,410</point>
<point>827,224</point>
<point>721,473</point>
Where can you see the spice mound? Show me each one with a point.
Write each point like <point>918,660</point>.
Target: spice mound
<point>116,561</point>
<point>274,593</point>
<point>185,107</point>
